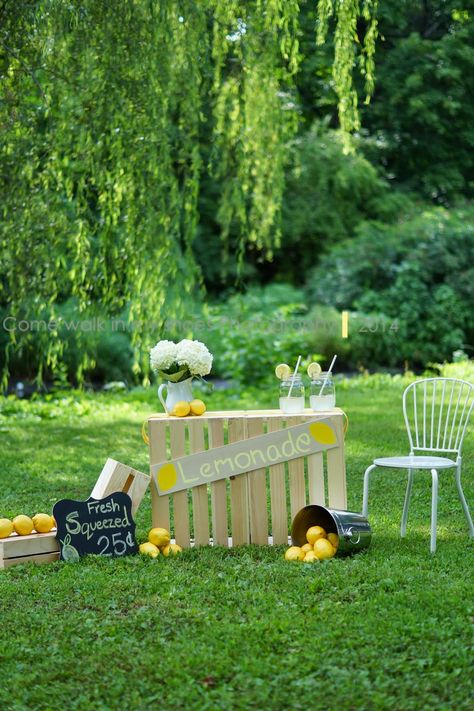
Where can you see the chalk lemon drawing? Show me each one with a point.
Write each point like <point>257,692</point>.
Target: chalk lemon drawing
<point>68,552</point>
<point>322,433</point>
<point>167,477</point>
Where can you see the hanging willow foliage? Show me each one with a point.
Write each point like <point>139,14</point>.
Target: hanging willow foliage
<point>346,14</point>
<point>104,110</point>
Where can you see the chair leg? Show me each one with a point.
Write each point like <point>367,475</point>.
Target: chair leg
<point>434,509</point>
<point>365,498</point>
<point>406,504</point>
<point>463,501</point>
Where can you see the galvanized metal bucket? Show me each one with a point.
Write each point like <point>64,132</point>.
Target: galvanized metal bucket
<point>352,528</point>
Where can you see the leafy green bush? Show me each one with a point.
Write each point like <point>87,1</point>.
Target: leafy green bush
<point>250,333</point>
<point>418,273</point>
<point>108,347</point>
<point>373,340</point>
<point>461,367</point>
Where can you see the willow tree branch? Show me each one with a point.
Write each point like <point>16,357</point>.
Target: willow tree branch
<point>25,67</point>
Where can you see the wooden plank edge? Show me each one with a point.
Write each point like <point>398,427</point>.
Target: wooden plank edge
<point>230,414</point>
<point>38,559</point>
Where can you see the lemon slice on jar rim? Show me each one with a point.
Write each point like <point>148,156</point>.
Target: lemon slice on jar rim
<point>283,371</point>
<point>313,370</point>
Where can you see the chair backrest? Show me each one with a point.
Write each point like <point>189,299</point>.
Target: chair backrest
<point>436,412</point>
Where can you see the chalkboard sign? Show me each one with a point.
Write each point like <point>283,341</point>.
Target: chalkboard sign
<point>96,526</point>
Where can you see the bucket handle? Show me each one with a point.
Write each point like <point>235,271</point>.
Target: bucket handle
<point>349,536</point>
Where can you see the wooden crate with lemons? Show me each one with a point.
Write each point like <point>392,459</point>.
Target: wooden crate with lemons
<point>238,477</point>
<point>28,539</point>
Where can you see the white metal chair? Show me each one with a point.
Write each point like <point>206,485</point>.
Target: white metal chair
<point>436,412</point>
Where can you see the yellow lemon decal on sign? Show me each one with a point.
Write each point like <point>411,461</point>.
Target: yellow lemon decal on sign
<point>322,433</point>
<point>167,477</point>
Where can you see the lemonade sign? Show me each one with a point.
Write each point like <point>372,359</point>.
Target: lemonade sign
<point>244,456</point>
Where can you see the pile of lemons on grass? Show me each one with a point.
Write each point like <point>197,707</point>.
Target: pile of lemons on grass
<point>24,525</point>
<point>159,544</point>
<point>183,408</point>
<point>320,546</point>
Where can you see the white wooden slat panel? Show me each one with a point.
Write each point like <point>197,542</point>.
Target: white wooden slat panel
<point>257,484</point>
<point>199,493</point>
<point>218,489</point>
<point>180,499</point>
<point>297,484</point>
<point>239,498</point>
<point>160,505</point>
<point>337,492</point>
<point>278,495</point>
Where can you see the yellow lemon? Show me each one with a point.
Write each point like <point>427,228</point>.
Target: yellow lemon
<point>311,557</point>
<point>333,539</point>
<point>294,553</point>
<point>197,407</point>
<point>171,549</point>
<point>283,371</point>
<point>23,525</point>
<point>149,549</point>
<point>167,476</point>
<point>307,547</point>
<point>313,369</point>
<point>6,527</point>
<point>315,533</point>
<point>181,409</point>
<point>159,537</point>
<point>323,549</point>
<point>322,433</point>
<point>42,523</point>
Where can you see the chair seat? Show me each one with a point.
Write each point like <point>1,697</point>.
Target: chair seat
<point>413,462</point>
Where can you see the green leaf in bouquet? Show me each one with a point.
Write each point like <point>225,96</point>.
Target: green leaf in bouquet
<point>176,377</point>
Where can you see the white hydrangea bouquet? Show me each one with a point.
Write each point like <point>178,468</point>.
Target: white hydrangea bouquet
<point>176,362</point>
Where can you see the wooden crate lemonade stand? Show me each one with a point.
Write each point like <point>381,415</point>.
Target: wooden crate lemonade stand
<point>233,506</point>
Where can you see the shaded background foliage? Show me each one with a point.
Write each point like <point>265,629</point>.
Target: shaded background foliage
<point>156,153</point>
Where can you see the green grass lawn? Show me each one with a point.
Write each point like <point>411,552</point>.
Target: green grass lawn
<point>391,628</point>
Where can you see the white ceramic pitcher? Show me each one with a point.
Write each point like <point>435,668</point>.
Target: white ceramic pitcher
<point>175,392</point>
